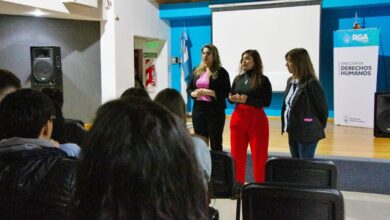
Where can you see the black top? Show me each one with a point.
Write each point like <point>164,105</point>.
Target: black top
<point>220,85</point>
<point>258,96</point>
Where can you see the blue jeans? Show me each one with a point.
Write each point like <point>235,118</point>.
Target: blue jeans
<point>302,150</point>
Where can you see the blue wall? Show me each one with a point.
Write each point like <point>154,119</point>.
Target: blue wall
<point>336,14</point>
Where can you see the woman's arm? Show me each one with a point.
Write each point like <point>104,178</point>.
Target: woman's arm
<point>318,100</point>
<point>191,90</point>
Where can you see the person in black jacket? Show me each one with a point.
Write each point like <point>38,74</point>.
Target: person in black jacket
<point>251,91</point>
<point>305,110</point>
<point>36,177</point>
<point>209,86</point>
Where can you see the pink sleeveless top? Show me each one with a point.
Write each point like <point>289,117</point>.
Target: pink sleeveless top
<point>203,82</point>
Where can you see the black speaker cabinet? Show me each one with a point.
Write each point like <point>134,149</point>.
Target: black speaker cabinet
<point>382,114</point>
<point>46,68</point>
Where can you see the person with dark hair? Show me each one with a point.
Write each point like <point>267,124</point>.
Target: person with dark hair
<point>209,86</point>
<point>36,177</point>
<point>251,91</point>
<point>304,110</point>
<point>55,94</point>
<point>173,101</point>
<point>8,83</point>
<point>136,92</point>
<point>139,163</point>
<point>65,131</point>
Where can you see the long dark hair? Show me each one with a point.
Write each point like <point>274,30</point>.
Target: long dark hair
<point>256,73</point>
<point>139,163</point>
<point>302,66</point>
<point>137,92</point>
<point>173,101</point>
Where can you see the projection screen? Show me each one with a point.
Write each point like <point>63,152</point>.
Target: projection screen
<point>272,28</point>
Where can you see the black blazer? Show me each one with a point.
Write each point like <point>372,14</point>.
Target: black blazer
<point>308,114</point>
<point>220,85</point>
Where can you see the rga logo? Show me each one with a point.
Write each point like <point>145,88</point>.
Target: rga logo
<point>346,39</point>
<point>360,38</point>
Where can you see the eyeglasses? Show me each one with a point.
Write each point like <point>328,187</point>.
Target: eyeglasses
<point>52,117</point>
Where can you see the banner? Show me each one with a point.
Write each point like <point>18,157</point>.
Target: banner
<point>355,76</point>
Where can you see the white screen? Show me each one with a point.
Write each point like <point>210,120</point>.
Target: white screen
<point>272,32</point>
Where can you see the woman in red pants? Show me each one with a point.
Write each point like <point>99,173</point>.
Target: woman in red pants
<point>251,91</point>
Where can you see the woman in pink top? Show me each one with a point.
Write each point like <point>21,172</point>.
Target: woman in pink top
<point>209,86</point>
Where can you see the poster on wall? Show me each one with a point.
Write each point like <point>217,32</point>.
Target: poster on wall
<point>355,76</point>
<point>150,74</point>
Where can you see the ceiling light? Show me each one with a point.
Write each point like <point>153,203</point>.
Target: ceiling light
<point>38,13</point>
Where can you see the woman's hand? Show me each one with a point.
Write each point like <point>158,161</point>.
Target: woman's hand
<point>234,98</point>
<point>196,93</point>
<point>208,92</point>
<point>237,98</point>
<point>242,98</point>
<point>200,92</point>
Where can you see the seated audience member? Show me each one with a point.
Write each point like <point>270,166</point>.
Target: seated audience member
<point>8,83</point>
<point>139,163</point>
<point>136,92</point>
<point>65,131</point>
<point>173,101</point>
<point>36,177</point>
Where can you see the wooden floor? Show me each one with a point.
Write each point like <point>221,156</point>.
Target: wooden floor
<point>340,141</point>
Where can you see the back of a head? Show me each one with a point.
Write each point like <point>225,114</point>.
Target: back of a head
<point>24,113</point>
<point>136,92</point>
<point>139,164</point>
<point>54,94</point>
<point>8,80</point>
<point>173,101</point>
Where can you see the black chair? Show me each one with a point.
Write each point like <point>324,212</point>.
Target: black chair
<point>275,201</point>
<point>307,173</point>
<point>222,182</point>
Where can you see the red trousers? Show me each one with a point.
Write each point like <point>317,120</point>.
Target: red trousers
<point>249,125</point>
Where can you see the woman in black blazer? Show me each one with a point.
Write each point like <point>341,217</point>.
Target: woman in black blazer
<point>305,110</point>
<point>209,86</point>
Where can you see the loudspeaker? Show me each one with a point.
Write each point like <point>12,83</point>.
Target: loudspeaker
<point>382,114</point>
<point>46,68</point>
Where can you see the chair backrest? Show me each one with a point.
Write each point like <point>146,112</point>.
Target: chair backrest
<point>222,175</point>
<point>273,201</point>
<point>308,173</point>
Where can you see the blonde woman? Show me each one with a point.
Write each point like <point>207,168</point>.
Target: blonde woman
<point>209,86</point>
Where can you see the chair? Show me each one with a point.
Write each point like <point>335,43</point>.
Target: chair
<point>222,181</point>
<point>275,201</point>
<point>307,173</point>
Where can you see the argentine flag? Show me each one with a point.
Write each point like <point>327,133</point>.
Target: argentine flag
<point>185,66</point>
